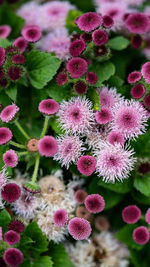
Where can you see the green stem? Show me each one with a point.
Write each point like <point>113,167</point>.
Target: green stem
<point>22,130</point>
<point>37,161</point>
<point>45,126</point>
<point>16,144</point>
<point>22,153</point>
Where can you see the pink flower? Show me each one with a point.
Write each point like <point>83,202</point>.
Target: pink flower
<point>8,113</point>
<point>76,48</point>
<point>91,78</point>
<point>147,101</point>
<point>21,44</point>
<point>136,41</point>
<point>146,72</point>
<point>141,235</point>
<point>134,77</point>
<point>2,56</point>
<point>89,21</point>
<point>76,115</point>
<point>11,192</point>
<point>94,203</point>
<point>77,67</point>
<point>138,91</point>
<point>100,37</point>
<point>10,158</point>
<point>5,135</point>
<point>115,137</point>
<point>60,218</point>
<point>108,97</point>
<point>16,226</point>
<point>80,87</point>
<point>18,59</point>
<point>79,228</point>
<point>31,33</point>
<point>129,118</point>
<point>86,165</point>
<point>11,238</point>
<point>3,177</point>
<point>147,216</point>
<point>86,37</point>
<point>48,146</point>
<point>1,234</point>
<point>80,196</point>
<point>131,214</point>
<point>69,150</point>
<point>48,107</point>
<point>13,257</point>
<point>4,31</point>
<point>14,73</point>
<point>137,23</point>
<point>114,162</point>
<point>104,116</point>
<point>62,78</point>
<point>108,22</point>
<point>29,12</point>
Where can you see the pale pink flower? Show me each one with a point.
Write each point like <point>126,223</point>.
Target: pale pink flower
<point>108,97</point>
<point>29,12</point>
<point>3,177</point>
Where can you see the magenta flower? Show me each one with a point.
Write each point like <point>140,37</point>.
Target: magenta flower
<point>108,97</point>
<point>94,203</point>
<point>80,196</point>
<point>80,87</point>
<point>91,78</point>
<point>76,115</point>
<point>131,214</point>
<point>146,72</point>
<point>9,113</point>
<point>137,23</point>
<point>1,73</point>
<point>48,146</point>
<point>2,56</point>
<point>1,234</point>
<point>48,107</point>
<point>141,235</point>
<point>14,73</point>
<point>147,216</point>
<point>138,91</point>
<point>136,41</point>
<point>16,226</point>
<point>5,135</point>
<point>60,217</point>
<point>76,48</point>
<point>62,78</point>
<point>89,21</point>
<point>11,238</point>
<point>115,137</point>
<point>77,67</point>
<point>147,101</point>
<point>4,31</point>
<point>10,158</point>
<point>18,59</point>
<point>134,77</point>
<point>108,22</point>
<point>21,44</point>
<point>31,33</point>
<point>86,165</point>
<point>86,37</point>
<point>79,228</point>
<point>11,192</point>
<point>13,257</point>
<point>100,37</point>
<point>104,116</point>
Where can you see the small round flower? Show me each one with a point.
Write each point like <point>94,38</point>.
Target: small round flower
<point>147,216</point>
<point>5,135</point>
<point>16,226</point>
<point>108,22</point>
<point>89,21</point>
<point>11,192</point>
<point>11,238</point>
<point>147,101</point>
<point>79,228</point>
<point>31,33</point>
<point>91,78</point>
<point>11,50</point>
<point>101,223</point>
<point>115,137</point>
<point>62,78</point>
<point>94,203</point>
<point>4,31</point>
<point>80,196</point>
<point>136,41</point>
<point>138,91</point>
<point>131,214</point>
<point>86,37</point>
<point>77,67</point>
<point>18,59</point>
<point>134,77</point>
<point>104,116</point>
<point>60,217</point>
<point>21,44</point>
<point>13,257</point>
<point>86,165</point>
<point>48,146</point>
<point>144,168</point>
<point>8,113</point>
<point>137,23</point>
<point>76,48</point>
<point>48,107</point>
<point>3,83</point>
<point>141,235</point>
<point>14,73</point>
<point>80,87</point>
<point>82,212</point>
<point>100,37</point>
<point>2,56</point>
<point>32,145</point>
<point>146,72</point>
<point>100,51</point>
<point>10,158</point>
<point>1,73</point>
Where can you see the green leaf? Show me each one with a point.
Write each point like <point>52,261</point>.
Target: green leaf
<point>59,256</point>
<point>70,25</point>
<point>119,187</point>
<point>115,81</point>
<point>94,97</point>
<point>44,261</point>
<point>118,43</point>
<point>4,219</point>
<point>41,67</point>
<point>4,99</point>
<point>140,198</point>
<point>57,92</point>
<point>142,184</point>
<point>12,92</point>
<point>4,43</point>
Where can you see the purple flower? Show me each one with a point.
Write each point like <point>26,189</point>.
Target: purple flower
<point>10,158</point>
<point>94,203</point>
<point>100,37</point>
<point>48,107</point>
<point>136,41</point>
<point>138,91</point>
<point>31,33</point>
<point>14,73</point>
<point>91,78</point>
<point>76,48</point>
<point>21,44</point>
<point>80,87</point>
<point>9,113</point>
<point>137,23</point>
<point>107,21</point>
<point>16,226</point>
<point>62,78</point>
<point>18,59</point>
<point>77,67</point>
<point>11,192</point>
<point>13,257</point>
<point>86,165</point>
<point>131,214</point>
<point>4,31</point>
<point>2,56</point>
<point>80,196</point>
<point>141,235</point>
<point>79,228</point>
<point>5,135</point>
<point>86,37</point>
<point>134,77</point>
<point>147,101</point>
<point>89,21</point>
<point>11,238</point>
<point>104,116</point>
<point>48,146</point>
<point>146,72</point>
<point>60,217</point>
<point>115,137</point>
